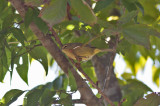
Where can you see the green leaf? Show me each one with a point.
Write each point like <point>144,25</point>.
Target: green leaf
<point>18,34</point>
<point>47,97</point>
<point>8,22</point>
<point>63,95</point>
<point>33,2</point>
<point>42,95</point>
<point>37,20</point>
<point>128,17</point>
<point>72,82</point>
<point>104,24</point>
<point>138,4</point>
<point>4,58</point>
<point>67,38</point>
<point>99,43</point>
<point>58,83</point>
<point>139,85</point>
<point>152,99</point>
<point>65,83</point>
<point>11,96</point>
<point>66,99</point>
<point>102,4</point>
<point>124,46</point>
<point>156,75</point>
<point>65,24</point>
<point>33,96</point>
<point>28,17</point>
<point>5,10</point>
<point>151,11</point>
<point>133,90</point>
<point>29,34</point>
<point>85,12</point>
<point>3,33</point>
<point>13,54</point>
<point>129,5</point>
<point>41,24</point>
<point>91,73</point>
<point>137,34</point>
<point>54,12</point>
<point>3,63</point>
<point>40,54</point>
<point>23,68</point>
<point>81,39</point>
<point>3,72</point>
<point>3,4</point>
<point>98,95</point>
<point>127,75</point>
<point>132,97</point>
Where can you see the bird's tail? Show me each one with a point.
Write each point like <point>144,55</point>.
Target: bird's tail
<point>103,50</point>
<point>107,50</point>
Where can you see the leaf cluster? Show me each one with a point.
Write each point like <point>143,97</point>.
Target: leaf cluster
<point>52,92</point>
<point>135,21</point>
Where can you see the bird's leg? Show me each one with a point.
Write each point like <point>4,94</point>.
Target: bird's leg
<point>79,59</point>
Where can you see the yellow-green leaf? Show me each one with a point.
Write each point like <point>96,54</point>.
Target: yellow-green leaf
<point>54,12</point>
<point>85,12</point>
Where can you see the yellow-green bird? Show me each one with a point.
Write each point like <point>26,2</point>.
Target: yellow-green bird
<point>81,52</point>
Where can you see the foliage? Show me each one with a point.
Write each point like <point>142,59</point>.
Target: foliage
<point>138,24</point>
<point>149,100</point>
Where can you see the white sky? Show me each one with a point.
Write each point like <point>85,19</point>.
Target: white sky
<point>36,76</point>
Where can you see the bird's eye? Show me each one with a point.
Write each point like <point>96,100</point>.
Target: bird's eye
<point>64,46</point>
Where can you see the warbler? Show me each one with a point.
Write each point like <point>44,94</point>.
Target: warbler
<point>81,52</point>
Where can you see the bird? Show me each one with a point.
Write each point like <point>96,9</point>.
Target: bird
<point>81,52</point>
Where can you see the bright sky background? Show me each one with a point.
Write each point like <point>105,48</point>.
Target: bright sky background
<point>36,76</point>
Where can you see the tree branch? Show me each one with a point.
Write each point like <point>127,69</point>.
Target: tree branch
<point>101,65</point>
<point>108,74</point>
<point>86,93</point>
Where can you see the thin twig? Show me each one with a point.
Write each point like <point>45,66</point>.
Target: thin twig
<point>91,40</point>
<point>16,42</point>
<point>68,12</point>
<point>120,103</point>
<point>13,42</point>
<point>54,34</point>
<point>29,50</point>
<point>108,75</point>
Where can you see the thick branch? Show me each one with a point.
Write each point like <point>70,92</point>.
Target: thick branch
<point>105,74</point>
<point>106,82</point>
<point>48,43</point>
